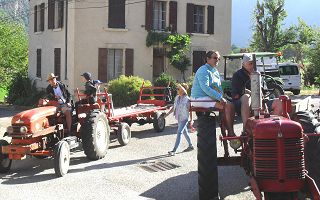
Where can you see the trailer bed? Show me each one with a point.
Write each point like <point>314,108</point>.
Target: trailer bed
<point>134,111</point>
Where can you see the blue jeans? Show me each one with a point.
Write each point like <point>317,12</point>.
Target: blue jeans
<point>182,128</point>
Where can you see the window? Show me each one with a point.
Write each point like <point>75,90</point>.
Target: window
<point>38,72</point>
<point>198,19</point>
<point>55,14</point>
<point>116,14</point>
<point>57,62</point>
<point>39,17</point>
<point>114,63</point>
<point>159,15</point>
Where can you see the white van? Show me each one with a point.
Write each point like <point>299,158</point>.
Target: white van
<point>290,74</point>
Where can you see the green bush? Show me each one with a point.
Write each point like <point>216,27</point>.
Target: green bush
<point>125,90</point>
<point>23,92</point>
<point>163,81</point>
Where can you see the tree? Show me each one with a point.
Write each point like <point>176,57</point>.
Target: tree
<point>16,10</point>
<point>305,38</point>
<point>268,35</point>
<point>13,51</point>
<point>179,44</point>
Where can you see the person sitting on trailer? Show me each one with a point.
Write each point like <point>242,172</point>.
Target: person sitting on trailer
<point>241,94</point>
<point>207,87</point>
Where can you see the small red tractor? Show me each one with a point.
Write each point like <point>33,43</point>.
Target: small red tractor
<point>40,132</point>
<point>272,153</point>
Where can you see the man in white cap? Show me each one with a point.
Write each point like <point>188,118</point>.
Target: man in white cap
<point>241,94</point>
<point>58,91</point>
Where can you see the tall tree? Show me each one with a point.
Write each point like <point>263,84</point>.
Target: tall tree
<point>268,35</point>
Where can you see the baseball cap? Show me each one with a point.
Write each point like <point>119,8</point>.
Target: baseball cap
<point>86,75</point>
<point>247,57</point>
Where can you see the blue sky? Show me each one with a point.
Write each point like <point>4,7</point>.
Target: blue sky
<point>242,12</point>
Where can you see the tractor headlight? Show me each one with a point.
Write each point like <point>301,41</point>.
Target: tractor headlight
<point>23,129</point>
<point>10,130</point>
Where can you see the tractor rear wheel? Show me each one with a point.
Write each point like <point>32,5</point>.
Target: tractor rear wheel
<point>61,159</point>
<point>207,158</point>
<point>310,124</point>
<point>5,162</point>
<point>124,134</point>
<point>159,122</point>
<point>95,135</point>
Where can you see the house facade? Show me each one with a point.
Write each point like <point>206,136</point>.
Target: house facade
<point>108,38</point>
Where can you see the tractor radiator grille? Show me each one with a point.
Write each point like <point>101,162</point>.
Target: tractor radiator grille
<point>294,158</point>
<point>266,163</point>
<point>266,160</point>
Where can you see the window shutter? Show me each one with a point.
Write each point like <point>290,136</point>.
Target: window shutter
<point>198,60</point>
<point>211,19</point>
<point>129,62</point>
<point>190,11</point>
<point>149,15</point>
<point>173,15</point>
<point>51,14</point>
<point>57,62</point>
<point>35,19</point>
<point>38,74</point>
<point>102,64</point>
<point>42,8</point>
<point>117,14</point>
<point>60,13</point>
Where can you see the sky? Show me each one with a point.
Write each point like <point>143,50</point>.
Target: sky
<point>242,12</point>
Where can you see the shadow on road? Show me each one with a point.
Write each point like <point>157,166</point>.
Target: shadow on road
<point>174,188</point>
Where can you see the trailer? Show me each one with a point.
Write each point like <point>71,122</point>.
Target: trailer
<point>150,108</point>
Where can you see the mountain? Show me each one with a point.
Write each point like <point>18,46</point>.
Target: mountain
<point>242,17</point>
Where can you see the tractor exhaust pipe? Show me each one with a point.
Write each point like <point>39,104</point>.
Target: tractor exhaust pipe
<point>256,99</point>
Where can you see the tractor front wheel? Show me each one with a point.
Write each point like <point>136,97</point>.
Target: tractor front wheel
<point>5,162</point>
<point>124,134</point>
<point>207,158</point>
<point>95,135</point>
<point>61,158</point>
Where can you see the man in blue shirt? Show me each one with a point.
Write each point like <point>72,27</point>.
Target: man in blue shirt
<point>207,89</point>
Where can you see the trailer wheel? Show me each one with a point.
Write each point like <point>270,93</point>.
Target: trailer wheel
<point>124,134</point>
<point>159,122</point>
<point>207,158</point>
<point>61,159</point>
<point>95,135</point>
<point>5,162</point>
<point>310,124</point>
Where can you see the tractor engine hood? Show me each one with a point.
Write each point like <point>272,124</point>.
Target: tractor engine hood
<point>29,116</point>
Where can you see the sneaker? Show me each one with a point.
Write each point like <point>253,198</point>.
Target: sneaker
<point>189,149</point>
<point>172,153</point>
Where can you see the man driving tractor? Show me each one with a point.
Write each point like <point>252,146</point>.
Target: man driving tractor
<point>57,91</point>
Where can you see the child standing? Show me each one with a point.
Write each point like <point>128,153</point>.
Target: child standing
<point>180,110</point>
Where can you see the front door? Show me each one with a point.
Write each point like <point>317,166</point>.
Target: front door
<point>158,62</point>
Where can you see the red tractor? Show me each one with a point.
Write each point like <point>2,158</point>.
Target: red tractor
<point>272,153</point>
<point>40,132</point>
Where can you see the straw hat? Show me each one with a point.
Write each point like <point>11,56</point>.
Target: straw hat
<point>184,88</point>
<point>51,76</point>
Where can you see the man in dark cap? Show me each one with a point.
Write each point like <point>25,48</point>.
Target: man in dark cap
<point>90,88</point>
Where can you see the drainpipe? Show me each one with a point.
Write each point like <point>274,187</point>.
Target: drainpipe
<point>66,44</point>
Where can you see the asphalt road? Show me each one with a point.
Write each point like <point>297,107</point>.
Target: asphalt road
<point>124,172</point>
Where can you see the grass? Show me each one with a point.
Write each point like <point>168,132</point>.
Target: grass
<point>310,90</point>
<point>3,93</point>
